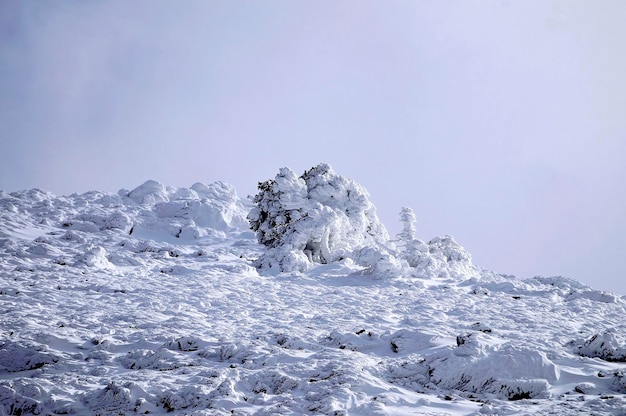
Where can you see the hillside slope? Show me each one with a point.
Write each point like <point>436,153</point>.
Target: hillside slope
<point>148,301</point>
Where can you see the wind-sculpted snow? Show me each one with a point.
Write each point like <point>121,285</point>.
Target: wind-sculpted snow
<point>150,302</point>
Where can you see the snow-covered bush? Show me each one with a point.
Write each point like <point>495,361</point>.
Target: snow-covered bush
<point>16,357</point>
<point>112,398</point>
<point>15,400</point>
<point>319,217</point>
<point>619,381</point>
<point>607,346</point>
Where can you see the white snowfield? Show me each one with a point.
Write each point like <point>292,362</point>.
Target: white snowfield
<point>162,300</point>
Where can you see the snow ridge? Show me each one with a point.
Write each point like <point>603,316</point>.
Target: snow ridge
<point>162,300</point>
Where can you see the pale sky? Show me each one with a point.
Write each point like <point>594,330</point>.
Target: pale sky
<point>501,123</point>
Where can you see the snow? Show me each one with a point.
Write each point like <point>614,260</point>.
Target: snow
<point>154,301</point>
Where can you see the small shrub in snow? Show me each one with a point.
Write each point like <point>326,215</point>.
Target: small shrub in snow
<point>619,381</point>
<point>607,346</point>
<point>111,398</point>
<point>15,357</point>
<point>14,403</point>
<point>447,258</point>
<point>319,217</point>
<point>188,397</point>
<point>163,359</point>
<point>441,257</point>
<point>183,344</point>
<point>118,221</point>
<point>185,213</point>
<point>522,389</point>
<point>272,382</point>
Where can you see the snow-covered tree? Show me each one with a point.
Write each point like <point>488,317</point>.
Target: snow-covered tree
<point>280,203</point>
<point>407,218</point>
<point>440,257</point>
<point>318,217</point>
<point>414,251</point>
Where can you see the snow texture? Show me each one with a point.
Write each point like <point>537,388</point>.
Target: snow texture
<point>161,300</point>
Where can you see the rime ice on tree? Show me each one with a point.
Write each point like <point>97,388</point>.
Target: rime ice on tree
<point>407,218</point>
<point>441,257</point>
<point>319,217</point>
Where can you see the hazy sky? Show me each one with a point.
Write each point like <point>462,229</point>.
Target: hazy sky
<point>502,123</point>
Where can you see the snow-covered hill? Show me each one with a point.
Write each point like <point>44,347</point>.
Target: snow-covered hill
<point>150,301</point>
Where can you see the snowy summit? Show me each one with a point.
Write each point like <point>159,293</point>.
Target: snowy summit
<point>194,301</point>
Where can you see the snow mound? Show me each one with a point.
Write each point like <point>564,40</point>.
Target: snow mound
<point>441,257</point>
<point>150,211</point>
<point>95,257</point>
<point>149,193</point>
<point>187,213</point>
<point>477,366</point>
